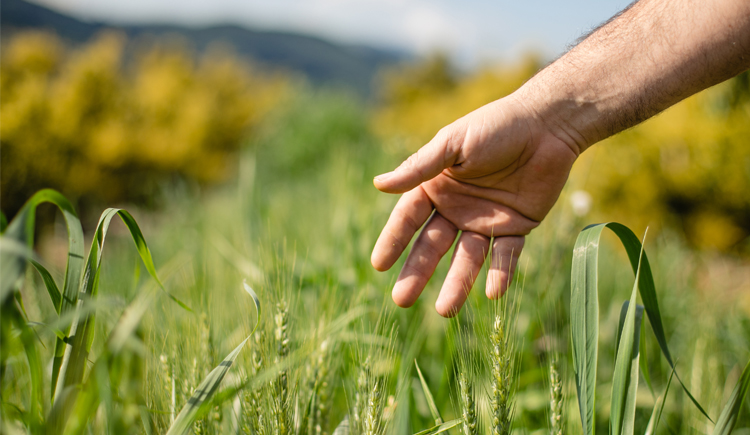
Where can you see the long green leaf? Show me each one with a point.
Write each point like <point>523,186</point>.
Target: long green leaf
<point>16,248</point>
<point>653,422</point>
<point>145,253</point>
<point>36,371</point>
<point>440,428</point>
<point>643,362</point>
<point>58,333</point>
<point>71,370</point>
<point>428,396</point>
<point>343,427</point>
<point>584,318</point>
<point>585,312</point>
<point>21,229</point>
<point>625,379</point>
<point>205,391</point>
<point>73,364</point>
<point>256,301</point>
<point>731,411</point>
<point>88,397</point>
<point>49,284</point>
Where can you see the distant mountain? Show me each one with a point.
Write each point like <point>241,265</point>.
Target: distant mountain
<point>323,62</point>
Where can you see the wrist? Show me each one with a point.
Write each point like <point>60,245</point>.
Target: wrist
<point>561,109</point>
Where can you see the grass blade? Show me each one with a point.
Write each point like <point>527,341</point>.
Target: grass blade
<point>256,301</point>
<point>145,253</point>
<point>87,400</point>
<point>584,312</point>
<point>343,427</point>
<point>21,229</point>
<point>428,396</point>
<point>653,422</point>
<point>49,284</point>
<point>643,362</point>
<point>440,428</point>
<point>731,411</point>
<point>36,368</point>
<point>584,318</point>
<point>201,398</point>
<point>72,367</point>
<point>625,380</point>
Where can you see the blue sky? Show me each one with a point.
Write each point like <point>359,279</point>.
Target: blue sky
<point>471,31</point>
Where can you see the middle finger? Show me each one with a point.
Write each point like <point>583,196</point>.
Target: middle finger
<point>433,242</point>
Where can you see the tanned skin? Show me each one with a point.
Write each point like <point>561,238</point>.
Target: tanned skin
<point>490,177</point>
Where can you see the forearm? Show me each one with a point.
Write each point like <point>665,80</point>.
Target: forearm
<point>651,56</point>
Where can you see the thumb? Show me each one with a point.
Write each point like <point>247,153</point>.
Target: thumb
<point>425,164</point>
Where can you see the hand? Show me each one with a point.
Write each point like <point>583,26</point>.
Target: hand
<point>493,175</point>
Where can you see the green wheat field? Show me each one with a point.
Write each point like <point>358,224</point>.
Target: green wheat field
<point>252,308</point>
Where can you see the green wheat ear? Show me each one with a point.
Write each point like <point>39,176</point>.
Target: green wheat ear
<point>360,396</point>
<point>373,409</point>
<point>556,399</point>
<point>501,372</point>
<point>253,399</point>
<point>468,404</point>
<point>281,335</point>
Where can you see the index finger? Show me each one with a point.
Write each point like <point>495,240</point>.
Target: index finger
<point>411,211</point>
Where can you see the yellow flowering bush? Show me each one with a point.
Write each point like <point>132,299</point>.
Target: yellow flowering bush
<point>108,122</point>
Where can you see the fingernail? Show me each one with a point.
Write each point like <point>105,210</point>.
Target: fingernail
<point>384,177</point>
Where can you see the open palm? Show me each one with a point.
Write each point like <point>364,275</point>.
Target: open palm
<point>493,175</point>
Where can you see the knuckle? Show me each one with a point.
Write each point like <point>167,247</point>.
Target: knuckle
<point>411,225</point>
<point>417,272</point>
